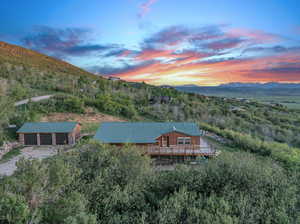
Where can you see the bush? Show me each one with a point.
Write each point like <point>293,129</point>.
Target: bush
<point>106,184</point>
<point>107,104</point>
<point>288,156</point>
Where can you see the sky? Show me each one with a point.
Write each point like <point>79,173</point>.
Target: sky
<point>163,42</point>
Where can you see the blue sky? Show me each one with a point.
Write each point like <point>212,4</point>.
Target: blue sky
<point>132,39</point>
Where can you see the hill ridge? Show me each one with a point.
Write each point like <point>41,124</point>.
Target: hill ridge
<point>17,54</point>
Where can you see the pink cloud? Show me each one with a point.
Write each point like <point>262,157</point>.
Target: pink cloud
<point>146,7</point>
<point>257,36</point>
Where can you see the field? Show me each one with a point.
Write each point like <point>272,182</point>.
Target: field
<point>289,97</point>
<point>288,101</point>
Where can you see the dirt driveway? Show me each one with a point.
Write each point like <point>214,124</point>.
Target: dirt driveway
<point>9,167</point>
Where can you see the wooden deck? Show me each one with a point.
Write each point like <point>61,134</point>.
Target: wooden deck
<point>181,151</point>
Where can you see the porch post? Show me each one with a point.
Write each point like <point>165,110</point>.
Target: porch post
<point>53,139</point>
<point>38,139</point>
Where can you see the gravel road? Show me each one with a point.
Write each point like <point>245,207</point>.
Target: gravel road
<point>9,167</point>
<point>33,99</point>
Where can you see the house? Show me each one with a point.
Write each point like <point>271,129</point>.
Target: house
<point>237,109</point>
<point>113,78</point>
<point>49,133</point>
<point>167,87</point>
<point>170,139</point>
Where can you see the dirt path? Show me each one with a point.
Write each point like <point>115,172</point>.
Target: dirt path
<point>33,99</point>
<point>9,167</point>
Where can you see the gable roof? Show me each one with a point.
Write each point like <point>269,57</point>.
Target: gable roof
<point>142,132</point>
<point>47,127</point>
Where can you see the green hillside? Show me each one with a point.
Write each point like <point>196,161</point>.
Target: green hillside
<point>254,180</point>
<point>25,73</point>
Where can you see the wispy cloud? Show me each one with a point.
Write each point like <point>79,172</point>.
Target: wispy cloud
<point>63,43</point>
<point>146,7</point>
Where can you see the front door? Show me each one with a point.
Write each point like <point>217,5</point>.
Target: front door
<point>165,141</point>
<point>168,141</point>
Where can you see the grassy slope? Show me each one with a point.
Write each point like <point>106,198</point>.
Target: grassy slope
<point>17,55</point>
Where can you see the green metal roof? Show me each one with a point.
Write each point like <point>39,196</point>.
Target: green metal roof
<point>141,132</point>
<point>47,127</point>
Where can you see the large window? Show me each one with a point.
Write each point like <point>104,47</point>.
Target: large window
<point>188,141</point>
<point>184,141</point>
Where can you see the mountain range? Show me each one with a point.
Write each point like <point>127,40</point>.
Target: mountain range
<point>250,85</point>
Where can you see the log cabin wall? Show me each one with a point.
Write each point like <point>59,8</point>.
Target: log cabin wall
<point>77,131</point>
<point>73,136</point>
<point>21,138</point>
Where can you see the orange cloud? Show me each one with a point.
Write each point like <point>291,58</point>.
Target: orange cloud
<point>183,57</point>
<point>208,55</point>
<point>282,68</point>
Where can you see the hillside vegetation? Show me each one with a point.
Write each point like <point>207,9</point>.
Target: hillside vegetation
<point>101,189</point>
<point>98,184</point>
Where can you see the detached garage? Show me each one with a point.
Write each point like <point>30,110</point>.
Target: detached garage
<point>49,133</point>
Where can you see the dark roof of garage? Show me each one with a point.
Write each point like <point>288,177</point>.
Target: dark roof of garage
<point>47,127</point>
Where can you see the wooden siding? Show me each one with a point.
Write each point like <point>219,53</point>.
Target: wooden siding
<point>195,140</point>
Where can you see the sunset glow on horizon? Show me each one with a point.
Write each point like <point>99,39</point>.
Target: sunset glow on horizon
<point>162,43</point>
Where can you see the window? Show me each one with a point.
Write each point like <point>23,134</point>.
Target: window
<point>183,141</point>
<point>188,141</point>
<point>180,141</point>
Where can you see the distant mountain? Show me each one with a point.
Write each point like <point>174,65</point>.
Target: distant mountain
<point>187,86</point>
<point>244,85</point>
<point>260,85</point>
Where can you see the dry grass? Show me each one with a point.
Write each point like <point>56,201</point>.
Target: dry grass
<point>81,118</point>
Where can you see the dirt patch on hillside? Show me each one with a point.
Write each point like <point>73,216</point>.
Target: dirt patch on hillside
<point>81,118</point>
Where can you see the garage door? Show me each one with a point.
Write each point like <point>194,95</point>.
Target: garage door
<point>30,139</point>
<point>46,139</point>
<point>62,139</point>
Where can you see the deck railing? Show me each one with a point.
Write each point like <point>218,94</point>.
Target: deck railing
<point>181,150</point>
